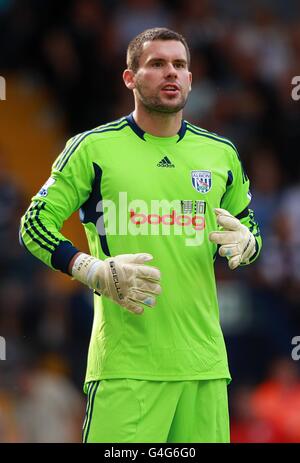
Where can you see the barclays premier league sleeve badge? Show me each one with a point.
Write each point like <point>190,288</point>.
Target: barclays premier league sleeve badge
<point>201,180</point>
<point>44,190</point>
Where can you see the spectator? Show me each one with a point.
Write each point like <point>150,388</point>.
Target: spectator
<point>49,397</point>
<point>277,399</point>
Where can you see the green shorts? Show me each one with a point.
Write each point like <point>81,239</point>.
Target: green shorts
<point>130,410</point>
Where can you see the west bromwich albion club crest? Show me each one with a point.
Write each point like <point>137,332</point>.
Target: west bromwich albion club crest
<point>201,180</point>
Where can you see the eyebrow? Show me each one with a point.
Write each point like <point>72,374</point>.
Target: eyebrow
<point>177,60</point>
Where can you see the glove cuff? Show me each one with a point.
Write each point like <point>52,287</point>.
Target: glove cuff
<point>83,268</point>
<point>249,250</point>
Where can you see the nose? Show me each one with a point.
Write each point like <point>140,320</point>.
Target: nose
<point>171,71</point>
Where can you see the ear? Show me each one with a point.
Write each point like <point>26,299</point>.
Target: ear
<point>129,79</point>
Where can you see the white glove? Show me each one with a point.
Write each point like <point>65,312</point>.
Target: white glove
<point>238,243</point>
<point>123,278</point>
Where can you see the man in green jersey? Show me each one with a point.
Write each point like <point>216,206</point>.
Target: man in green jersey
<point>150,186</point>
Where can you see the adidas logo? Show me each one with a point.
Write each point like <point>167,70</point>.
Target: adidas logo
<point>165,162</point>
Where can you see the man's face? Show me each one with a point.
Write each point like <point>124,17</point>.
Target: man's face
<point>163,81</point>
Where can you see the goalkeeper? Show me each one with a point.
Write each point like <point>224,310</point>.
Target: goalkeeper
<point>157,196</point>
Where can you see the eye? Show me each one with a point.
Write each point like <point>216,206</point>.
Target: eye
<point>157,64</point>
<point>179,65</point>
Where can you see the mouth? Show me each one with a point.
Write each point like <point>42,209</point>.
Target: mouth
<point>170,89</point>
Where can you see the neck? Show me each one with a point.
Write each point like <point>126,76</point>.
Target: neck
<point>158,124</point>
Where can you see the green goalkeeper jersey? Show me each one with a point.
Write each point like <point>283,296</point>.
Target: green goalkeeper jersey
<point>140,193</point>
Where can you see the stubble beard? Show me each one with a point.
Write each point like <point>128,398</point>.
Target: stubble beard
<point>154,104</point>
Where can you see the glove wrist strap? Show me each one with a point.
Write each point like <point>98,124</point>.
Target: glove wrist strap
<point>249,250</point>
<point>82,267</point>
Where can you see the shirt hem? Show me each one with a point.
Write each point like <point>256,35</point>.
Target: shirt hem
<point>185,377</point>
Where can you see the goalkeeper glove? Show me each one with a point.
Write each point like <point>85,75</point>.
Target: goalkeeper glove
<point>123,279</point>
<point>237,242</point>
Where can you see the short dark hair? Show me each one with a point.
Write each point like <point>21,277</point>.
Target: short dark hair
<point>135,47</point>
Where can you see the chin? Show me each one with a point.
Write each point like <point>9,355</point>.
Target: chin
<point>171,108</point>
<point>165,107</point>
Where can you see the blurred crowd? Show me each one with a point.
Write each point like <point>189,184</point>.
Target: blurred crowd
<point>244,56</point>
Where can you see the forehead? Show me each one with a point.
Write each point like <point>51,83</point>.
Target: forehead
<point>163,49</point>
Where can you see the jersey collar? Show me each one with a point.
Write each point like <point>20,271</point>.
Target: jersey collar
<point>140,132</point>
